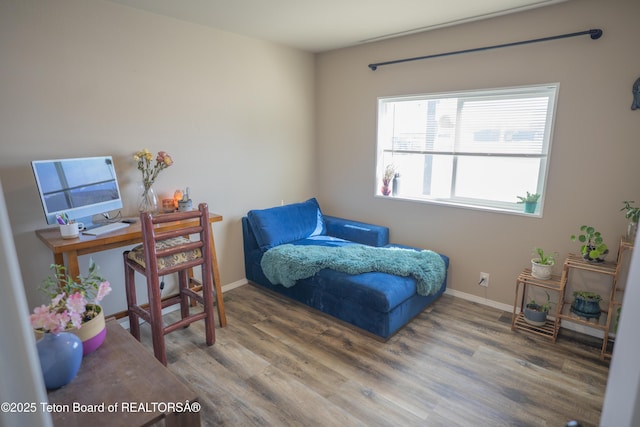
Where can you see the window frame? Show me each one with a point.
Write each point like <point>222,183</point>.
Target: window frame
<point>385,145</point>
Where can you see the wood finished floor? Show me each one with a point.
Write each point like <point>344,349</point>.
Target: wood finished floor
<point>278,363</point>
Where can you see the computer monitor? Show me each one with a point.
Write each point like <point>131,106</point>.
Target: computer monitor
<point>79,188</point>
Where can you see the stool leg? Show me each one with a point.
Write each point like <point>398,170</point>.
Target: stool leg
<point>183,283</point>
<point>155,314</point>
<point>130,289</point>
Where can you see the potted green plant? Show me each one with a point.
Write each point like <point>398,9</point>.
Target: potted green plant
<point>542,265</point>
<point>586,304</point>
<point>593,248</point>
<point>536,314</point>
<point>530,201</point>
<point>633,215</point>
<point>74,306</point>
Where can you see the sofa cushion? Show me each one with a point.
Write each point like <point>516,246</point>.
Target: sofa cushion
<point>285,224</point>
<point>355,231</point>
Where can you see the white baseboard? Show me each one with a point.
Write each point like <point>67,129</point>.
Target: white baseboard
<point>479,300</point>
<point>463,295</point>
<point>572,326</point>
<point>234,285</point>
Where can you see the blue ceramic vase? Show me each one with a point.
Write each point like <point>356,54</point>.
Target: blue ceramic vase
<point>60,357</point>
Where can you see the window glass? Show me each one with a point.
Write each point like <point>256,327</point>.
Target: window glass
<point>478,149</point>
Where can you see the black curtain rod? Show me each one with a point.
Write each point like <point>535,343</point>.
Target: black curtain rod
<point>595,34</point>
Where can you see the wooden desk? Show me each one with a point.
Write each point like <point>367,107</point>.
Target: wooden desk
<point>121,383</point>
<point>71,249</point>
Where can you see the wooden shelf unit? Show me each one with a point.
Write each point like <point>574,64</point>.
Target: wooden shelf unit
<point>607,268</point>
<point>551,327</point>
<point>563,301</point>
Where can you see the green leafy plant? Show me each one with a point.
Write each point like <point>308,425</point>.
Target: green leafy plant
<point>633,213</point>
<point>73,301</point>
<point>544,258</point>
<point>529,198</point>
<point>587,295</point>
<point>533,305</point>
<point>593,245</point>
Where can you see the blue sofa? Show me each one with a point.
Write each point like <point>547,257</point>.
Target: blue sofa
<point>377,302</point>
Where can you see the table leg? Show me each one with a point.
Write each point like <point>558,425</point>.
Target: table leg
<point>73,268</point>
<point>58,259</point>
<point>182,419</point>
<point>216,281</point>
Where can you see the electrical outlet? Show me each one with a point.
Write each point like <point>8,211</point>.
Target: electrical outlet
<point>484,280</point>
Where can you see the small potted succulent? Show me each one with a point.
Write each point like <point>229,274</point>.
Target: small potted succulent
<point>536,314</point>
<point>586,304</point>
<point>530,201</point>
<point>593,248</point>
<point>542,264</point>
<point>633,215</point>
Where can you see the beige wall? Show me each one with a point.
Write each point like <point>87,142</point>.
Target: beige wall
<point>596,143</point>
<point>82,78</point>
<point>93,77</point>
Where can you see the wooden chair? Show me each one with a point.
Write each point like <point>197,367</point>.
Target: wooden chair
<point>166,252</point>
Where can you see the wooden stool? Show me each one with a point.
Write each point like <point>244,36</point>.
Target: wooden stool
<point>168,252</point>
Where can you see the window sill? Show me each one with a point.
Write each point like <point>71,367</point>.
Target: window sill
<point>520,212</point>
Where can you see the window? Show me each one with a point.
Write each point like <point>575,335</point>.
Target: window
<point>477,149</point>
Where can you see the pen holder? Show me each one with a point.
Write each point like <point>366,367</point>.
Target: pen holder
<point>71,230</point>
<point>184,205</point>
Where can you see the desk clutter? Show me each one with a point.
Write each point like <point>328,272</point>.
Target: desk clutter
<point>181,202</point>
<point>69,229</point>
<point>67,252</point>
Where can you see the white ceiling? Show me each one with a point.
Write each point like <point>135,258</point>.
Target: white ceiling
<point>321,25</point>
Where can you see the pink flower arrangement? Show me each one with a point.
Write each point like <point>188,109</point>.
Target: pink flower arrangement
<point>72,303</point>
<point>150,171</point>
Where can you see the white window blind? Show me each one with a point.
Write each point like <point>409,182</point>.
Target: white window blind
<point>478,148</point>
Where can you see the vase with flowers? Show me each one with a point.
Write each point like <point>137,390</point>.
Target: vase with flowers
<point>74,307</point>
<point>150,171</point>
<point>389,173</point>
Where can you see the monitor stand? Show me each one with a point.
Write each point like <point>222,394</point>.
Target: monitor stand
<point>93,221</point>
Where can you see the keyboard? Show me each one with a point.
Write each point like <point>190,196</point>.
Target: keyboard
<point>107,228</point>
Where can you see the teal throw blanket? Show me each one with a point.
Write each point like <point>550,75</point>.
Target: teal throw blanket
<point>285,264</point>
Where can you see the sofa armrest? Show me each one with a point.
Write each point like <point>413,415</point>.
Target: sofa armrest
<point>358,232</point>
